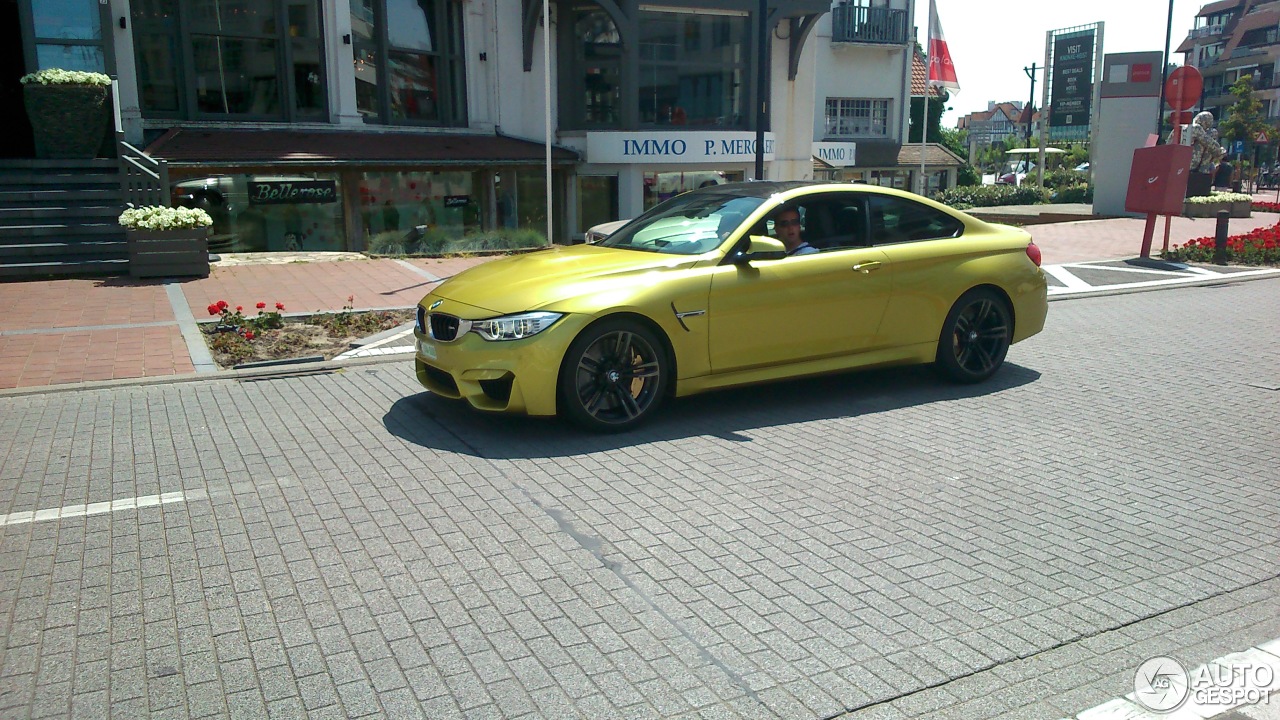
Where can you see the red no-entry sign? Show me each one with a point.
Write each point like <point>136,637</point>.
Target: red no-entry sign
<point>1182,89</point>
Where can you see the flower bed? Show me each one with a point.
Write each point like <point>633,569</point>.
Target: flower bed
<point>236,338</point>
<point>1259,206</point>
<point>1207,206</point>
<point>1256,247</point>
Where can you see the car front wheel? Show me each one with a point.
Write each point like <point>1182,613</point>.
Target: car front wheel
<point>975,337</point>
<point>613,377</point>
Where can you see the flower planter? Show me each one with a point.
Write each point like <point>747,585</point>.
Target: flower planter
<point>1242,208</point>
<point>168,253</point>
<point>67,121</point>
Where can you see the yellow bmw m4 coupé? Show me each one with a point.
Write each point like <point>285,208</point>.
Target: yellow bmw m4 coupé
<point>697,294</point>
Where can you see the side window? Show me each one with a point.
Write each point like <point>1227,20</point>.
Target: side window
<point>895,220</point>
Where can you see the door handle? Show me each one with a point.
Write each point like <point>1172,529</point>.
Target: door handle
<point>867,267</point>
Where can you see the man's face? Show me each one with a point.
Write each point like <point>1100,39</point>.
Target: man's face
<point>786,226</point>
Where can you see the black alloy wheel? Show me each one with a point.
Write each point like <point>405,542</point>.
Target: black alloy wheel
<point>975,337</point>
<point>613,376</point>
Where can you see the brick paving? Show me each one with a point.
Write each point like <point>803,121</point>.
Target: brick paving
<point>878,544</point>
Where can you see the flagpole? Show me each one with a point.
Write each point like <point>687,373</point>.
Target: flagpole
<point>924,127</point>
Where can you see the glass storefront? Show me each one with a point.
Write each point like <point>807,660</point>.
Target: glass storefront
<point>597,200</point>
<point>396,202</point>
<point>659,186</point>
<point>297,212</point>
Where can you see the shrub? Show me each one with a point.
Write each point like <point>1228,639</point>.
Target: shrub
<point>1064,178</point>
<point>1081,193</point>
<point>1218,197</point>
<point>435,241</point>
<point>993,196</point>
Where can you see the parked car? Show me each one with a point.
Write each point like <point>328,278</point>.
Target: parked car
<point>694,295</point>
<point>596,233</point>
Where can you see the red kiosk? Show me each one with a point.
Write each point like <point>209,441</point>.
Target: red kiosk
<point>1159,174</point>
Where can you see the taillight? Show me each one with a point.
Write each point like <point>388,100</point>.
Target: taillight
<point>1033,252</point>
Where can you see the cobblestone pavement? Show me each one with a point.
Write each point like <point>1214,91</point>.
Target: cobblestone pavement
<point>874,545</point>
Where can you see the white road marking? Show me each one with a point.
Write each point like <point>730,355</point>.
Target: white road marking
<point>1065,277</point>
<point>98,508</point>
<point>1148,271</point>
<point>374,348</point>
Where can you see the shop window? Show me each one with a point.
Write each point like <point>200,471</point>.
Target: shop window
<point>692,69</point>
<point>597,200</point>
<point>394,204</point>
<point>223,59</point>
<point>409,61</point>
<point>659,186</point>
<point>298,212</point>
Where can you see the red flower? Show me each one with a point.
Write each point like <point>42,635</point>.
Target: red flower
<point>213,308</point>
<point>222,304</point>
<point>280,306</point>
<point>261,305</point>
<point>239,308</point>
<point>248,335</point>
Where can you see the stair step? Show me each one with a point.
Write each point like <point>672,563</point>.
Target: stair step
<point>96,164</point>
<point>19,215</point>
<point>38,181</point>
<point>30,252</point>
<point>63,198</point>
<point>60,229</point>
<point>35,270</point>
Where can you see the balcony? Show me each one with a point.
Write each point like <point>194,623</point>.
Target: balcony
<point>1207,31</point>
<point>868,25</point>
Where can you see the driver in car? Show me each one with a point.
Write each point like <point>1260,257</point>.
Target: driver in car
<point>786,227</point>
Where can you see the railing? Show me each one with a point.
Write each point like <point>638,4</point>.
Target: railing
<point>852,24</point>
<point>1207,30</point>
<point>143,179</point>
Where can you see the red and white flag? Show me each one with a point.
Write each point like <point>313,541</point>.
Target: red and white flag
<point>942,73</point>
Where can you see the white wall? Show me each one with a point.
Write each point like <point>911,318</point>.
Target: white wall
<point>1123,126</point>
<point>519,101</point>
<point>791,109</point>
<point>859,71</point>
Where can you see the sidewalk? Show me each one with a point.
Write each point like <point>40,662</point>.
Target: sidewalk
<point>68,331</point>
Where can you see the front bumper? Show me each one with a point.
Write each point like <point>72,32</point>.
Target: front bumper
<point>517,376</point>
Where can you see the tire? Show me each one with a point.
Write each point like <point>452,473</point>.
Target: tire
<point>614,376</point>
<point>975,337</point>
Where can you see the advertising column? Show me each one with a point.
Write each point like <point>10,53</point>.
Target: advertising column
<point>1130,99</point>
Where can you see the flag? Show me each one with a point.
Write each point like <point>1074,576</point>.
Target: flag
<point>941,72</point>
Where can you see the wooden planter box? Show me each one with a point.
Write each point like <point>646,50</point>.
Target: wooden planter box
<point>1241,209</point>
<point>168,253</point>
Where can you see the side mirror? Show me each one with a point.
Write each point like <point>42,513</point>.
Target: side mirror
<point>762,247</point>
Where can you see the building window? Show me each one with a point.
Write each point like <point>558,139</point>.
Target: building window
<point>597,47</point>
<point>223,59</point>
<point>409,61</point>
<point>68,35</point>
<point>857,117</point>
<point>692,69</point>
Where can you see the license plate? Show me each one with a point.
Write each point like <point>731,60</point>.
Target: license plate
<point>427,350</point>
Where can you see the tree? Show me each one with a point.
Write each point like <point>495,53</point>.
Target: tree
<point>1244,119</point>
<point>937,106</point>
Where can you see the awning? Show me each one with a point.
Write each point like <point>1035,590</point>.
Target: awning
<point>201,147</point>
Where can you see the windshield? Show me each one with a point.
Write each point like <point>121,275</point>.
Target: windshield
<point>688,224</point>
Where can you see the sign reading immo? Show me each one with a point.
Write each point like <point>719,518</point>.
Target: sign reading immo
<point>675,147</point>
<point>836,154</point>
<point>286,192</point>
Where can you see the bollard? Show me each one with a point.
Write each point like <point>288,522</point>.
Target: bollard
<point>1220,238</point>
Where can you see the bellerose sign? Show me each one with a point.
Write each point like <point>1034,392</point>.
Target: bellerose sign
<point>292,192</point>
<point>675,147</point>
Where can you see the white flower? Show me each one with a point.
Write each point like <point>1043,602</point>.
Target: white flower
<point>156,217</point>
<point>1219,198</point>
<point>58,76</point>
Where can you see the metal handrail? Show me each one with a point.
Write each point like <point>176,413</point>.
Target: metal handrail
<point>144,180</point>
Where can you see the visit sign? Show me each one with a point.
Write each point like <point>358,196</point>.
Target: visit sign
<point>675,147</point>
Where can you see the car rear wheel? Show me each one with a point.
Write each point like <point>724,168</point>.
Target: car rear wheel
<point>613,377</point>
<point>975,337</point>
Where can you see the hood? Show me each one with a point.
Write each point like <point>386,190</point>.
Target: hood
<point>534,280</point>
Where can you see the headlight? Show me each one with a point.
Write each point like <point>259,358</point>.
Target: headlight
<point>514,327</point>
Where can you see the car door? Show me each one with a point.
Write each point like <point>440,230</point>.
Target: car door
<point>920,242</point>
<point>802,307</point>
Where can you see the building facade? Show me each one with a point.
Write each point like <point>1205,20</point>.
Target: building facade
<point>331,124</point>
<point>1230,39</point>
